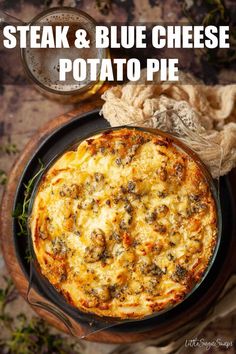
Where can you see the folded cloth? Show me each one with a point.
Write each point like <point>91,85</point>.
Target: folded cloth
<point>175,341</point>
<point>210,111</point>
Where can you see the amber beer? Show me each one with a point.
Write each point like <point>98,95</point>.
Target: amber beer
<point>42,64</point>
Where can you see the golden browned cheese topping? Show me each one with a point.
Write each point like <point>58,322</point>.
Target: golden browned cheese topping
<point>125,225</point>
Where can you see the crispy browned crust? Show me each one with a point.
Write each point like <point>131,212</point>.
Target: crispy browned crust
<point>125,225</point>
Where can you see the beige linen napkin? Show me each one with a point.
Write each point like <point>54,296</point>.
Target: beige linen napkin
<point>210,111</point>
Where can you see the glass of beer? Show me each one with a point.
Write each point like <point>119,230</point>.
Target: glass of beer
<point>42,64</point>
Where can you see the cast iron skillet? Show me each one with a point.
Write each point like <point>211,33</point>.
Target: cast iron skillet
<point>49,150</point>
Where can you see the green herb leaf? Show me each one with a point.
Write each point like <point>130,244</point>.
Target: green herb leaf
<point>3,178</point>
<point>10,149</point>
<point>18,211</point>
<point>104,6</point>
<point>21,210</point>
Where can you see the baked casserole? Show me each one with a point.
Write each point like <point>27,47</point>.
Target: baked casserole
<point>125,224</point>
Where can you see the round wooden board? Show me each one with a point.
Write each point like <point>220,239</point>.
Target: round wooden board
<point>21,282</point>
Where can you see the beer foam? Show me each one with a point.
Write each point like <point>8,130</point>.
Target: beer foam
<point>43,63</point>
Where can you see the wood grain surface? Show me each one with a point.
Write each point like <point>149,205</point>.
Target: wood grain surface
<point>106,336</point>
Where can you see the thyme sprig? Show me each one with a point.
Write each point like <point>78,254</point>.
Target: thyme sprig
<point>9,149</point>
<point>3,178</point>
<point>213,12</point>
<point>21,335</point>
<point>7,295</point>
<point>21,210</point>
<point>104,6</point>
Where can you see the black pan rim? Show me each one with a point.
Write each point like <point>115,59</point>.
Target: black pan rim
<point>43,143</point>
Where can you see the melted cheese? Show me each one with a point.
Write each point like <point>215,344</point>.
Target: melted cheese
<point>125,225</point>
